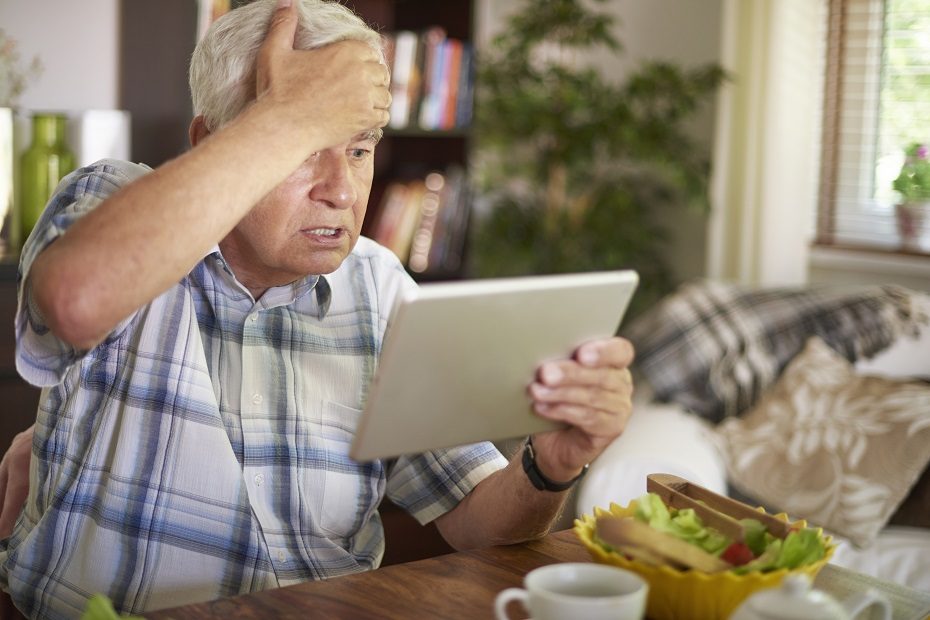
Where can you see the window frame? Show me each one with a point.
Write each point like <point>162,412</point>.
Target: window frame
<point>862,140</point>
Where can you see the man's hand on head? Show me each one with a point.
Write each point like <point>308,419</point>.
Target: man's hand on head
<point>593,394</point>
<point>340,90</point>
<point>14,480</point>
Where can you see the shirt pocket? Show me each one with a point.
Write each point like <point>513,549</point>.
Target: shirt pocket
<point>351,489</point>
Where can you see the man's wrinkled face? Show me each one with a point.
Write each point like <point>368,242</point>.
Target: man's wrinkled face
<point>310,222</point>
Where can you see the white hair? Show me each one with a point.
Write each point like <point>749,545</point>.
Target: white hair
<point>222,71</point>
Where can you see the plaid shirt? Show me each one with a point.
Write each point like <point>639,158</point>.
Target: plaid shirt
<point>201,450</point>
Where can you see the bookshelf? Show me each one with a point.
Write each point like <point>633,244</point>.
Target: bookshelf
<point>406,154</point>
<point>154,90</point>
<point>410,153</point>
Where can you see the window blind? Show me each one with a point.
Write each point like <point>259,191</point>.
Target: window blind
<point>877,90</point>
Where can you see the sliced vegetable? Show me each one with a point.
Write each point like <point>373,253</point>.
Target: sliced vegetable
<point>99,607</point>
<point>738,554</point>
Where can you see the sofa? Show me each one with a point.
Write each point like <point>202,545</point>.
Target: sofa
<point>814,401</point>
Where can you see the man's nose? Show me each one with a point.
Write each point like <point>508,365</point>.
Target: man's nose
<point>332,179</point>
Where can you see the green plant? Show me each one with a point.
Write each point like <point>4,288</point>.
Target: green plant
<point>913,182</point>
<point>578,173</point>
<point>13,80</point>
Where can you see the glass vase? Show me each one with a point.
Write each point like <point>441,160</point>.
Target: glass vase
<point>43,164</point>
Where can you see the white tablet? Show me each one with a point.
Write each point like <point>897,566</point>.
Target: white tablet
<point>458,356</point>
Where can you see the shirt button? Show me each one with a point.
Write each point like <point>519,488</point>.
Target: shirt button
<point>281,556</point>
<point>253,318</point>
<point>259,479</point>
<point>256,399</point>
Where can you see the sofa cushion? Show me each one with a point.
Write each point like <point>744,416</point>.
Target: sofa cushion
<point>659,438</point>
<point>714,348</point>
<point>825,444</point>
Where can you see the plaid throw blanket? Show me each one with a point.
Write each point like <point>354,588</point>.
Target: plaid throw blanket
<point>714,348</point>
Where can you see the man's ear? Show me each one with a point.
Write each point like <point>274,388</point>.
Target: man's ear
<point>198,131</point>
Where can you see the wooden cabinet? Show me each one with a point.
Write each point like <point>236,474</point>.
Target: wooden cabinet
<point>156,40</point>
<point>19,398</point>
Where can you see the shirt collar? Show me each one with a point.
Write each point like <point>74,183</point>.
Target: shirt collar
<point>288,293</point>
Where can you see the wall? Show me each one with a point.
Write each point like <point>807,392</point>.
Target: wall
<point>765,165</point>
<point>77,44</point>
<point>686,33</point>
<point>840,266</point>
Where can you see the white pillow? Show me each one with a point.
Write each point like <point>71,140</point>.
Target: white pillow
<point>907,358</point>
<point>659,438</point>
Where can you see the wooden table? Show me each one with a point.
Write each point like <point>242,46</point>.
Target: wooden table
<point>457,585</point>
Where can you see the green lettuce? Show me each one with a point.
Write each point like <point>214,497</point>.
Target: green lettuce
<point>99,607</point>
<point>799,548</point>
<point>684,524</point>
<point>757,537</point>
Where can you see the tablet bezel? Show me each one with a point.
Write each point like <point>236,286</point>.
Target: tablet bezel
<point>457,357</point>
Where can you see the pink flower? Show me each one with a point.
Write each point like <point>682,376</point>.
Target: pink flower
<point>923,151</point>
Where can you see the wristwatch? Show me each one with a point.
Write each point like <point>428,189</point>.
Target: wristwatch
<point>539,480</point>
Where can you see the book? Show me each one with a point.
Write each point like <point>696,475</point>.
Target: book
<point>403,77</point>
<point>432,79</point>
<point>433,39</point>
<point>390,212</point>
<point>422,239</point>
<point>402,237</point>
<point>449,234</point>
<point>466,89</point>
<point>452,59</point>
<point>424,221</point>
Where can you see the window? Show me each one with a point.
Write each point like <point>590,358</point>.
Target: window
<point>877,101</point>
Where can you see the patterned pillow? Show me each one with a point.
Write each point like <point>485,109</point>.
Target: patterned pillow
<point>824,444</point>
<point>714,348</point>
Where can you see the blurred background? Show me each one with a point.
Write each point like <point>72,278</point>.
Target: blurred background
<point>766,143</point>
<point>801,140</point>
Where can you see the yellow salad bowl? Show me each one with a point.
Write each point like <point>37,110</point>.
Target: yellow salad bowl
<point>691,594</point>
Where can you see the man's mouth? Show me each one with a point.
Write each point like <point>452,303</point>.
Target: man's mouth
<point>324,232</point>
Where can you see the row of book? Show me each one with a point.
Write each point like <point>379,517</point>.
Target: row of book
<point>432,80</point>
<point>424,221</point>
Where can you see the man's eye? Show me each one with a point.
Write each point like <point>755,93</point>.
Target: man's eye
<point>359,153</point>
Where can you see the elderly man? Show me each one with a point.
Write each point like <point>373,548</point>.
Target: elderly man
<point>205,333</point>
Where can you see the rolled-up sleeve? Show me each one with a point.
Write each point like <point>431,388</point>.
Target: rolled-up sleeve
<point>430,484</point>
<point>42,358</point>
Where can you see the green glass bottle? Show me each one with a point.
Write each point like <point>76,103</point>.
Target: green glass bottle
<point>43,164</point>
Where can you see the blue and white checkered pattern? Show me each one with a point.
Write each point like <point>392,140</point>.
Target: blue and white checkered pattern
<point>201,450</point>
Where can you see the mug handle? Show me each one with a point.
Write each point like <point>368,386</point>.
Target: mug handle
<point>505,597</point>
<point>857,603</point>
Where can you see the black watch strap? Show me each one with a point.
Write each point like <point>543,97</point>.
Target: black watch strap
<point>539,480</point>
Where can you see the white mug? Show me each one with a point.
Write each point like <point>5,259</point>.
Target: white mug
<point>578,590</point>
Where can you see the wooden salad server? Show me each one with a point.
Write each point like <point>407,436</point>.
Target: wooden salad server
<point>717,511</point>
<point>640,541</point>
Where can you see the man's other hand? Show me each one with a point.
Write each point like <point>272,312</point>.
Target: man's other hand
<point>341,89</point>
<point>593,394</point>
<point>14,480</point>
